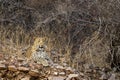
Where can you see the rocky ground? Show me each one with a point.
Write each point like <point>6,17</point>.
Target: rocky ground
<point>16,68</point>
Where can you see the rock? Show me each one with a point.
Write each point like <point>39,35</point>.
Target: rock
<point>23,69</point>
<point>20,59</point>
<point>86,66</point>
<point>105,70</point>
<point>56,78</point>
<point>2,67</point>
<point>69,69</point>
<point>26,78</point>
<point>3,72</point>
<point>81,74</point>
<point>10,74</point>
<point>32,65</point>
<point>88,70</point>
<point>25,64</point>
<point>20,76</point>
<point>7,63</point>
<point>2,61</point>
<point>1,79</point>
<point>6,57</point>
<point>17,72</point>
<point>34,73</point>
<point>0,74</point>
<point>64,64</point>
<point>112,77</point>
<point>55,73</point>
<point>38,66</point>
<point>35,66</point>
<point>19,64</point>
<point>12,68</point>
<point>1,56</point>
<point>76,78</point>
<point>59,67</point>
<point>104,77</point>
<point>71,76</point>
<point>62,73</point>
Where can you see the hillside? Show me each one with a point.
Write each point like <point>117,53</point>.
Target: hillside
<point>79,33</point>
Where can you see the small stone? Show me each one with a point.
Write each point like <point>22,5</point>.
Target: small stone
<point>26,78</point>
<point>2,67</point>
<point>35,66</point>
<point>59,67</point>
<point>1,78</point>
<point>70,76</point>
<point>21,59</point>
<point>112,77</point>
<point>17,72</point>
<point>88,71</point>
<point>86,66</point>
<point>81,74</point>
<point>6,57</point>
<point>64,64</point>
<point>12,60</point>
<point>12,68</point>
<point>7,63</point>
<point>10,74</point>
<point>34,73</point>
<point>76,78</point>
<point>56,78</point>
<point>62,73</point>
<point>106,70</point>
<point>1,75</point>
<point>20,76</point>
<point>69,69</point>
<point>104,76</point>
<point>23,69</point>
<point>55,73</point>
<point>19,64</point>
<point>1,56</point>
<point>32,65</point>
<point>25,64</point>
<point>38,66</point>
<point>2,61</point>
